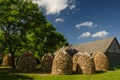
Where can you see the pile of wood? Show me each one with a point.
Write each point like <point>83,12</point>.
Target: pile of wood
<point>47,61</point>
<point>7,60</point>
<point>76,68</point>
<point>101,61</point>
<point>26,62</point>
<point>62,63</point>
<point>86,63</point>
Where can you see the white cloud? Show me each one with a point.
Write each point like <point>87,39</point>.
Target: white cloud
<point>100,34</point>
<point>71,7</point>
<point>95,25</point>
<point>85,35</point>
<point>59,20</point>
<point>86,24</point>
<point>52,6</point>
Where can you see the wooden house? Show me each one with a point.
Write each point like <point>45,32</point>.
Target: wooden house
<point>109,46</point>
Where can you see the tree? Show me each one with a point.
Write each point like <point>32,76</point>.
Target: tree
<point>17,18</point>
<point>44,39</point>
<point>23,27</point>
<point>47,40</point>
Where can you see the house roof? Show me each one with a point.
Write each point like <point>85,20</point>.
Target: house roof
<point>91,47</point>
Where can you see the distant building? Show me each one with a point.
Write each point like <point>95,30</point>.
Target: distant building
<point>109,46</point>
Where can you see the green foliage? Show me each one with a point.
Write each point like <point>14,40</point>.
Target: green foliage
<point>23,27</point>
<point>16,21</point>
<point>45,39</point>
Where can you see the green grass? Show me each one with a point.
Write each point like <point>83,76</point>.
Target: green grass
<point>6,76</point>
<point>109,75</point>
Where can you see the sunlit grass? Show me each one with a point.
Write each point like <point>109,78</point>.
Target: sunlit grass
<point>4,67</point>
<point>109,75</point>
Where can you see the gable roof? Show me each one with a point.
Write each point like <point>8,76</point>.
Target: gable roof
<point>99,45</point>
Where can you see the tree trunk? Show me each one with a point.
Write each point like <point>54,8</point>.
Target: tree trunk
<point>12,56</point>
<point>9,40</point>
<point>13,61</point>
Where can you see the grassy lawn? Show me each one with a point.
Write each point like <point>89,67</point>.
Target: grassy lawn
<point>110,75</point>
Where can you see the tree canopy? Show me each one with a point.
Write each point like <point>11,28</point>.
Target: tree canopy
<point>23,27</point>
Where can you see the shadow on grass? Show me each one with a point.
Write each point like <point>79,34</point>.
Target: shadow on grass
<point>100,72</point>
<point>12,76</point>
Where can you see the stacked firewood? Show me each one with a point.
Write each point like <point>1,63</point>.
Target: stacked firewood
<point>47,61</point>
<point>62,63</point>
<point>101,61</point>
<point>86,63</point>
<point>76,68</point>
<point>7,60</point>
<point>26,62</point>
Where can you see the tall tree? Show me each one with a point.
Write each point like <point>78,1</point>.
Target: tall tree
<point>23,27</point>
<point>17,19</point>
<point>47,40</point>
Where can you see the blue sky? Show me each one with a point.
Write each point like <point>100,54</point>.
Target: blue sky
<point>83,20</point>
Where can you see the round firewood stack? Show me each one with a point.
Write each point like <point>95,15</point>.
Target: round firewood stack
<point>62,63</point>
<point>86,63</point>
<point>101,61</point>
<point>26,62</point>
<point>47,61</point>
<point>76,68</point>
<point>7,60</point>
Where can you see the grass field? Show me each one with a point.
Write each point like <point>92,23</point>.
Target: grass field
<point>110,75</point>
